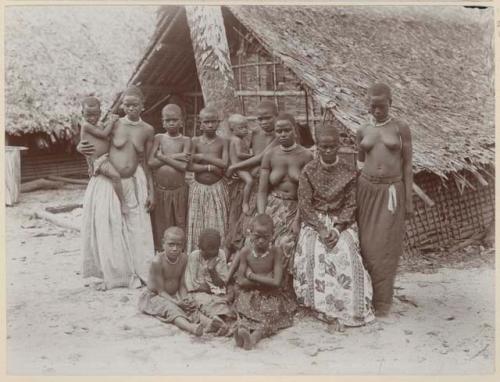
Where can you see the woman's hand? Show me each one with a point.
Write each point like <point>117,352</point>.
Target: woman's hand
<point>150,202</point>
<point>86,148</point>
<point>328,238</point>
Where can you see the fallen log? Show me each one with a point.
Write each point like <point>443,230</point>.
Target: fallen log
<point>54,219</point>
<point>68,180</point>
<point>472,240</point>
<point>40,184</point>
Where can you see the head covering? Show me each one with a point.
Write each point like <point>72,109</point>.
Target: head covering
<point>209,238</point>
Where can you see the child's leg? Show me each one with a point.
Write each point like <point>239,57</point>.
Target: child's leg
<point>247,178</point>
<point>109,171</point>
<point>235,263</point>
<point>182,323</point>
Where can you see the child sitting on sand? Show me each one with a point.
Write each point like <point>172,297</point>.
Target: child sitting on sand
<point>163,297</point>
<point>204,280</point>
<point>97,135</point>
<point>261,304</point>
<point>239,151</point>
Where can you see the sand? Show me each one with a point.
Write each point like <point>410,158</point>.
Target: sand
<point>442,321</point>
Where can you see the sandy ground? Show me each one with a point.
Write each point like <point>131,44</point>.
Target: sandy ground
<point>442,321</point>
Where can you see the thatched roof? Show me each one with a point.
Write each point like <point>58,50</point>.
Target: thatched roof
<point>438,61</point>
<point>55,55</point>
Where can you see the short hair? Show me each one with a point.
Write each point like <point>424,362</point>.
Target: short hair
<point>90,101</point>
<point>172,107</point>
<point>209,238</point>
<point>380,89</point>
<point>134,91</point>
<point>209,109</point>
<point>284,116</point>
<point>264,220</point>
<point>328,129</point>
<point>173,231</point>
<point>235,118</point>
<point>268,105</point>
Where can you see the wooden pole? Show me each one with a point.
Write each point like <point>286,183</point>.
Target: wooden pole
<point>213,61</point>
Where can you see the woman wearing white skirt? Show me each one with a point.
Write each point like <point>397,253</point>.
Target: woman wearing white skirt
<point>329,276</point>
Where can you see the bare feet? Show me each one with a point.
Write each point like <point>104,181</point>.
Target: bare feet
<point>198,330</point>
<point>246,209</point>
<point>99,286</point>
<point>237,338</point>
<point>246,338</point>
<point>215,324</point>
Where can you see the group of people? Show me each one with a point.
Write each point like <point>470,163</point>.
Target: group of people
<point>264,226</point>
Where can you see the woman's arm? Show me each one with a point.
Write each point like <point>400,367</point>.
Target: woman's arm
<point>407,154</point>
<point>264,183</point>
<point>256,159</point>
<point>275,280</point>
<point>305,196</point>
<point>149,176</point>
<point>360,162</point>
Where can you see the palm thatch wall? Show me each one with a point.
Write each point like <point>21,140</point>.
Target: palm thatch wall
<point>54,55</point>
<point>438,61</point>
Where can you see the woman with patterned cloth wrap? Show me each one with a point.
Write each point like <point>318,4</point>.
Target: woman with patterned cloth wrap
<point>329,276</point>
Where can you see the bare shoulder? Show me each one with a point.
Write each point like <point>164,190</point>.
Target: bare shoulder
<point>403,126</point>
<point>276,252</point>
<point>150,130</point>
<point>157,260</point>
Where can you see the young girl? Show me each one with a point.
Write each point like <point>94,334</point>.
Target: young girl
<point>262,306</point>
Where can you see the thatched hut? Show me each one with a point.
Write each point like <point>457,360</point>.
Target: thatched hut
<point>319,61</point>
<point>54,56</point>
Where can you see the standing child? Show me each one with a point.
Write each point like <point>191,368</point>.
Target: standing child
<point>208,194</point>
<point>98,136</point>
<point>163,298</point>
<point>239,151</point>
<point>263,307</point>
<point>169,159</point>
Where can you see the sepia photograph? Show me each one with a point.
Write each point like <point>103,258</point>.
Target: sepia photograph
<point>248,190</point>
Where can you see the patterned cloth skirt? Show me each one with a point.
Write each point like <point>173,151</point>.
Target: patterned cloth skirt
<point>208,208</point>
<point>333,282</point>
<point>283,212</point>
<point>268,309</point>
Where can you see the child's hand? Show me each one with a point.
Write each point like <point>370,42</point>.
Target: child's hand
<point>184,157</point>
<point>230,171</point>
<point>188,305</point>
<point>113,118</point>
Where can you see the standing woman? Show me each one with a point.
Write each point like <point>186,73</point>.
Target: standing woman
<point>278,183</point>
<point>118,248</point>
<point>329,276</point>
<point>384,194</point>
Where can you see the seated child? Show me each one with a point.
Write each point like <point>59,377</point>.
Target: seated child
<point>261,304</point>
<point>204,280</point>
<point>98,136</point>
<point>239,151</point>
<point>163,297</point>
